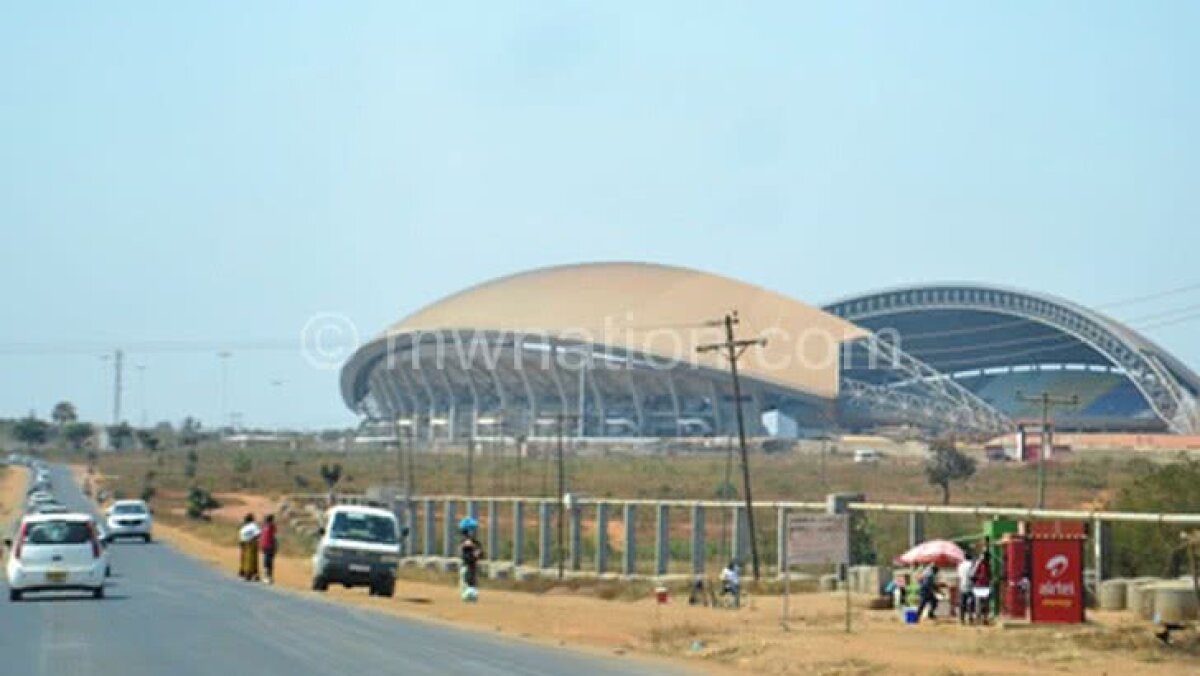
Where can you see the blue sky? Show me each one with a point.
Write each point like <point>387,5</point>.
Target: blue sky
<point>217,173</point>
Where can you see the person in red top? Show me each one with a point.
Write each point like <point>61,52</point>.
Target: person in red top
<point>981,581</point>
<point>269,542</point>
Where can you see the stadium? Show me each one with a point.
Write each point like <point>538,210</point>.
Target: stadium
<point>634,350</point>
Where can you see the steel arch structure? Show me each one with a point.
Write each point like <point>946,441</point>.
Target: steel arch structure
<point>1068,333</point>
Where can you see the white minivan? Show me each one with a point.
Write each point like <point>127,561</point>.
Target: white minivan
<point>359,547</point>
<point>54,552</point>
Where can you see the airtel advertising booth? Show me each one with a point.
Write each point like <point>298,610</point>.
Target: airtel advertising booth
<point>1056,591</point>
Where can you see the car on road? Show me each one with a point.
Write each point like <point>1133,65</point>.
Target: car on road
<point>359,547</point>
<point>129,519</point>
<point>50,508</point>
<point>53,552</point>
<point>38,498</point>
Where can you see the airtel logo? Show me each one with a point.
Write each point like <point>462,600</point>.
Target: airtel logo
<point>1057,565</point>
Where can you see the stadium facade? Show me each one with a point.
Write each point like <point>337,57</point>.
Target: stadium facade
<point>608,350</point>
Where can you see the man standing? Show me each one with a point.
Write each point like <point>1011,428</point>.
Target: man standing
<point>928,592</point>
<point>268,541</point>
<point>966,596</point>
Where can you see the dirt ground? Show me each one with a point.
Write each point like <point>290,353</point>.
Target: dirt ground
<point>12,493</point>
<point>750,640</point>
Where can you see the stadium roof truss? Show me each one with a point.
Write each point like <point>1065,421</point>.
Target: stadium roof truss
<point>1169,387</point>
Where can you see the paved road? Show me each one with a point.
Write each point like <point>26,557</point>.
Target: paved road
<point>166,613</point>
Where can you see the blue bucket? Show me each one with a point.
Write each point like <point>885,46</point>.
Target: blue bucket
<point>910,616</point>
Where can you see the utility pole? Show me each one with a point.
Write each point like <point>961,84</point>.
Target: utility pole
<point>562,488</point>
<point>1047,401</point>
<point>141,371</point>
<point>118,367</point>
<point>224,357</point>
<point>734,349</point>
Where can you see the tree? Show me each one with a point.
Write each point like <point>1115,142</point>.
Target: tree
<point>147,440</point>
<point>200,502</point>
<point>63,414</point>
<point>946,464</point>
<point>190,432</point>
<point>120,435</point>
<point>189,467</point>
<point>331,475</point>
<point>31,431</point>
<point>76,433</point>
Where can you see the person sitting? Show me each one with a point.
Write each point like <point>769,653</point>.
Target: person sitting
<point>731,584</point>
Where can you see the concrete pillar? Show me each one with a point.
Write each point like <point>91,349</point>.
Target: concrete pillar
<point>545,548</point>
<point>1101,541</point>
<point>575,554</point>
<point>662,539</point>
<point>781,541</point>
<point>473,509</point>
<point>450,530</point>
<point>739,541</point>
<point>429,519</point>
<point>698,553</point>
<point>518,533</point>
<point>916,529</point>
<point>630,564</point>
<point>493,528</point>
<point>601,537</point>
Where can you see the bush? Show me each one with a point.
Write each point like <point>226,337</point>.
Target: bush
<point>1155,549</point>
<point>200,502</point>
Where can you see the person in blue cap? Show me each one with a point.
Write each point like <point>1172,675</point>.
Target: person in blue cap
<point>471,553</point>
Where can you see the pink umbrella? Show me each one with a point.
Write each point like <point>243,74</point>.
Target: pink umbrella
<point>942,553</point>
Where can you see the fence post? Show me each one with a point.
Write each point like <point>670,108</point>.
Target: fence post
<point>601,538</point>
<point>916,529</point>
<point>518,532</point>
<point>429,518</point>
<point>473,509</point>
<point>630,566</point>
<point>493,535</point>
<point>544,547</point>
<point>662,539</point>
<point>698,553</point>
<point>576,548</point>
<point>738,542</point>
<point>781,541</point>
<point>450,530</point>
<point>1101,539</point>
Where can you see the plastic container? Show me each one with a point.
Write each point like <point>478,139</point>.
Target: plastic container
<point>910,615</point>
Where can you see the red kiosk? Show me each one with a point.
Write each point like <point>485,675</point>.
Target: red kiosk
<point>1045,569</point>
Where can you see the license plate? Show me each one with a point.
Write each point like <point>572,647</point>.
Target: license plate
<point>56,576</point>
<point>359,568</point>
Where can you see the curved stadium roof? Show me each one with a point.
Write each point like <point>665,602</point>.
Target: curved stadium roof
<point>972,329</point>
<point>649,310</point>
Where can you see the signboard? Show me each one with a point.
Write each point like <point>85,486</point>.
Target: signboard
<point>818,539</point>
<point>1056,581</point>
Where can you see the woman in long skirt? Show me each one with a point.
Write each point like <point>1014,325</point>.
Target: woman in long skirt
<point>248,542</point>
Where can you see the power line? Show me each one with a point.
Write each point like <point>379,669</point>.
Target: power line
<point>1150,296</point>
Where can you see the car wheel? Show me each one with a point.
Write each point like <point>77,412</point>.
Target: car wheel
<point>98,593</point>
<point>320,584</point>
<point>388,589</point>
<point>108,571</point>
<point>146,538</point>
<point>14,594</point>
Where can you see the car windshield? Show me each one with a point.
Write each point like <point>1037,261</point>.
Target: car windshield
<point>363,527</point>
<point>57,533</point>
<point>129,509</point>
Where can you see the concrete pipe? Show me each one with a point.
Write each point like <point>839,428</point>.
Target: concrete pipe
<point>1113,594</point>
<point>1174,603</point>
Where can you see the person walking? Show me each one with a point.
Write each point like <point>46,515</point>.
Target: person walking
<point>927,591</point>
<point>248,543</point>
<point>471,552</point>
<point>269,543</point>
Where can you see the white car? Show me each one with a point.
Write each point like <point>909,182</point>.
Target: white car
<point>54,552</point>
<point>359,547</point>
<point>128,519</point>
